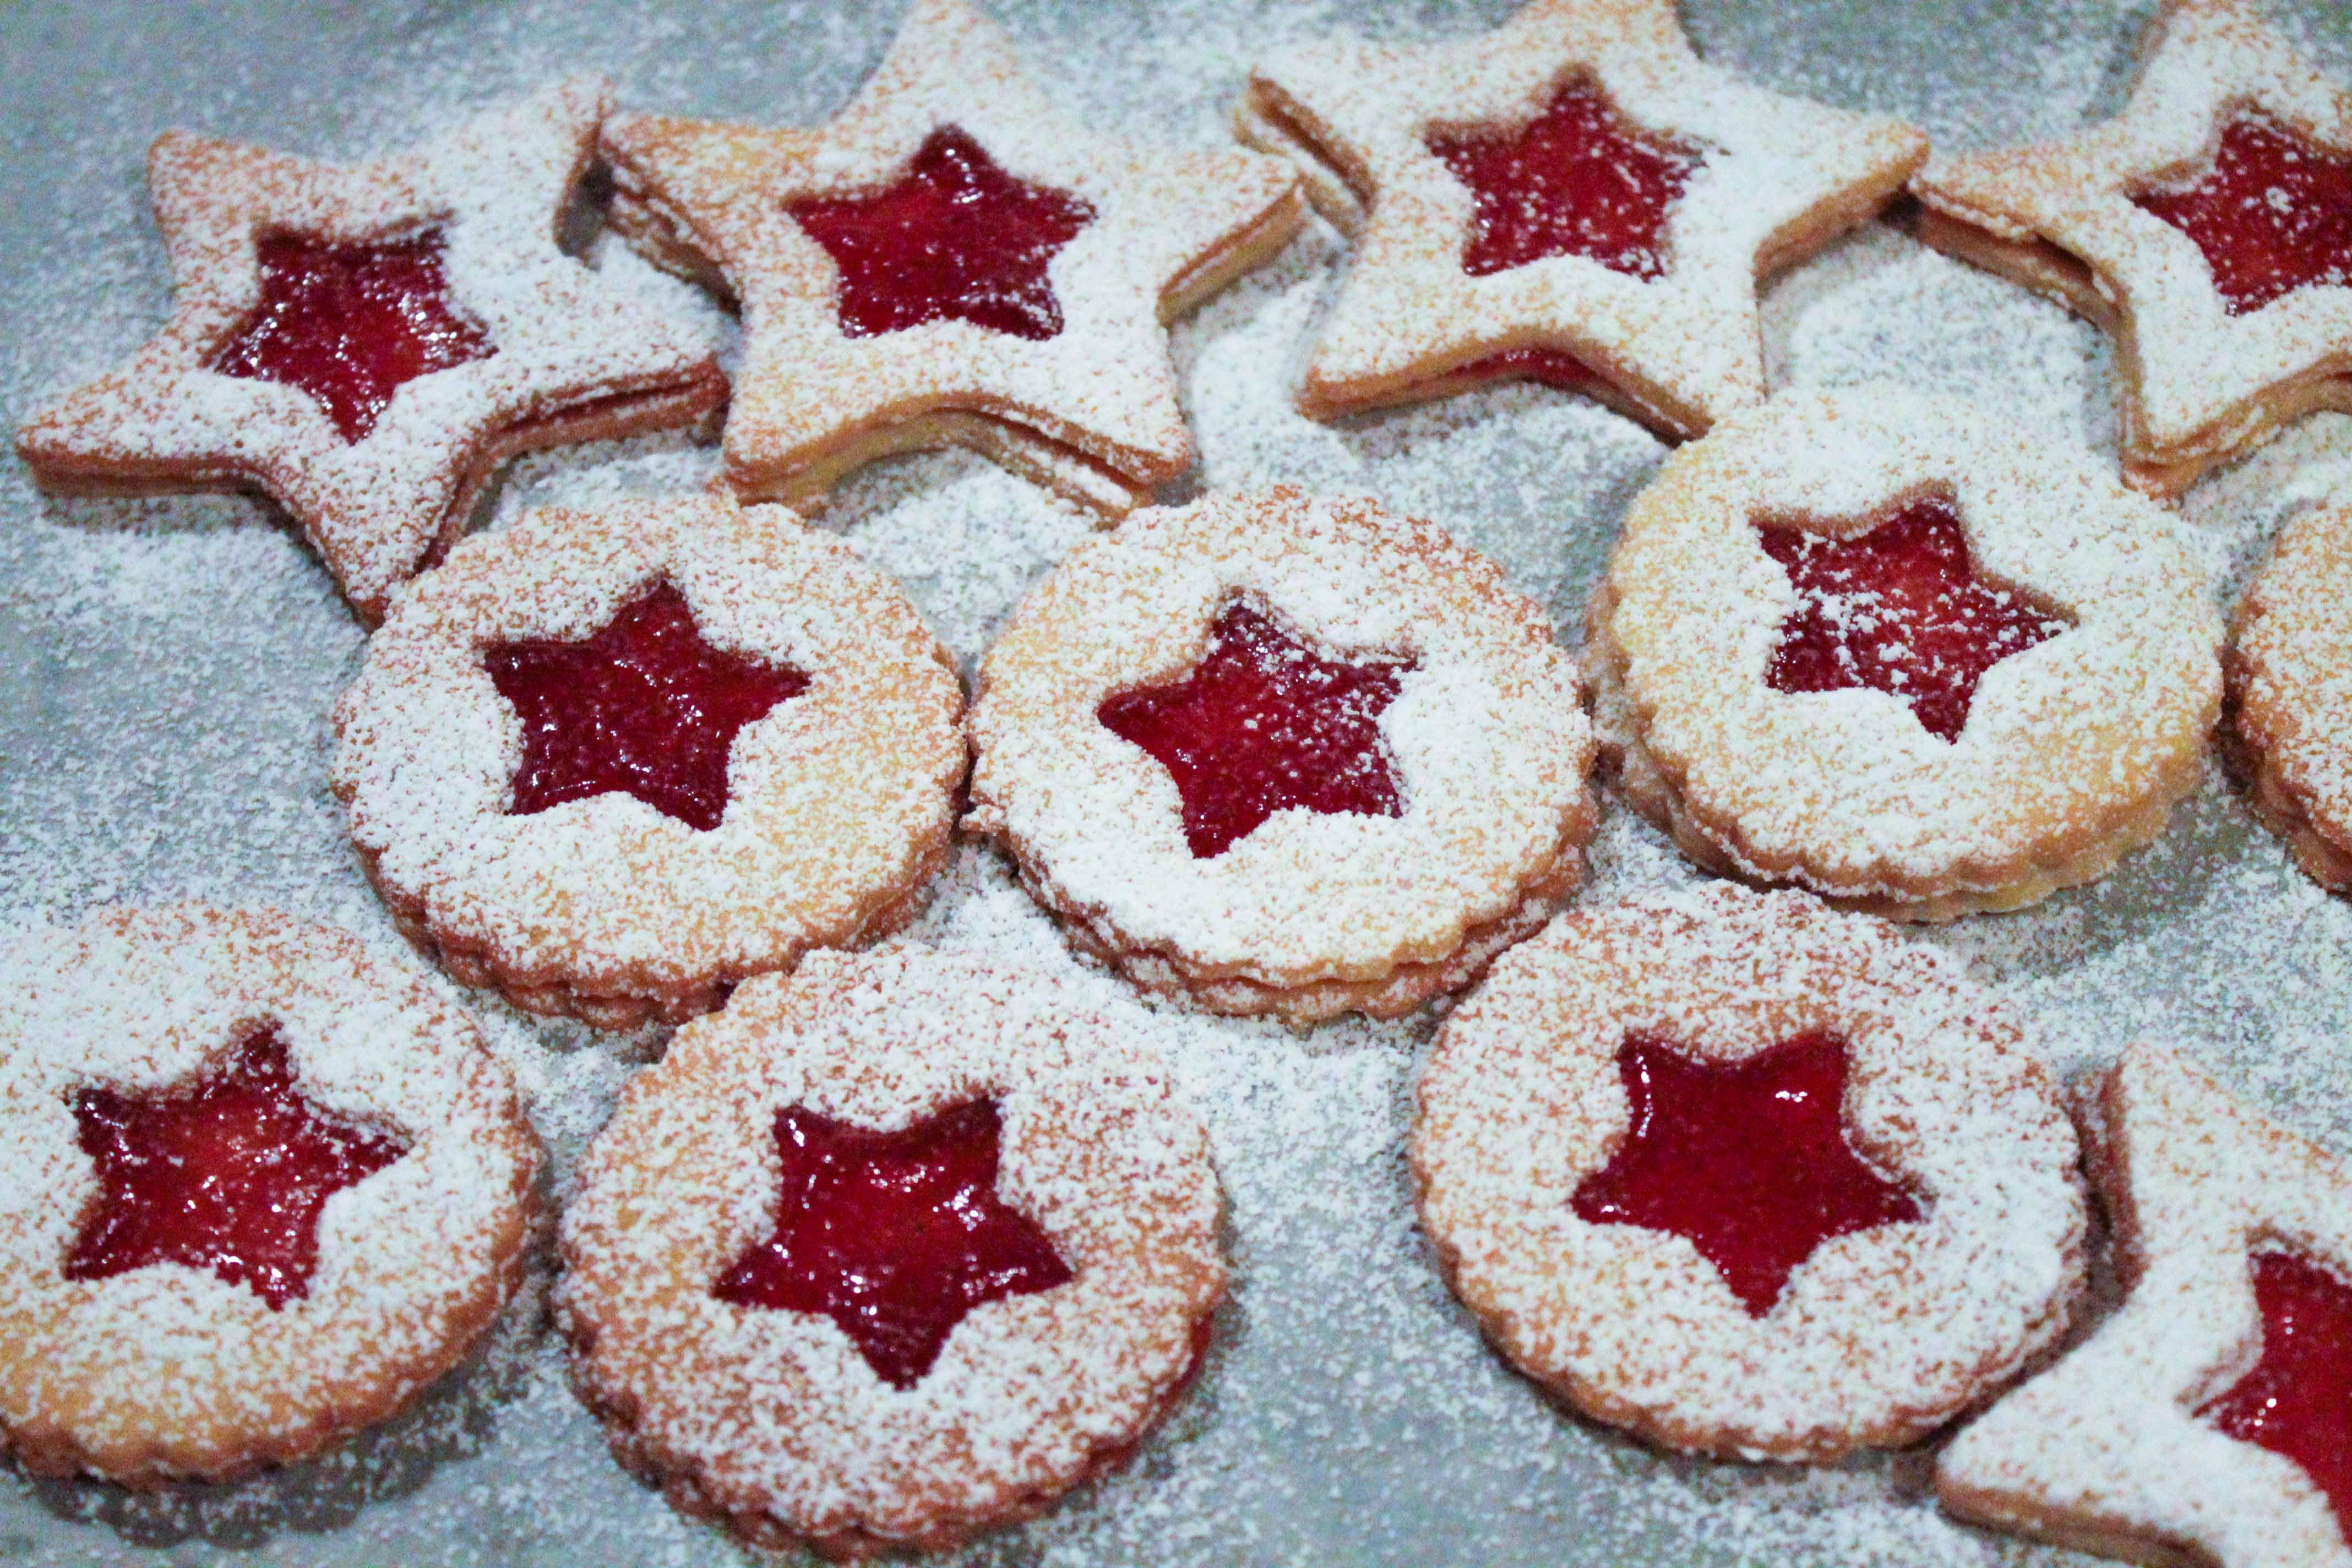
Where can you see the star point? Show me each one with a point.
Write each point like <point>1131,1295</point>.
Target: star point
<point>228,1171</point>
<point>897,1236</point>
<point>644,705</point>
<point>1262,723</point>
<point>1062,374</point>
<point>1747,1159</point>
<point>365,343</point>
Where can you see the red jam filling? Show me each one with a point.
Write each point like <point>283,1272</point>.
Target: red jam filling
<point>348,325</point>
<point>643,706</point>
<point>1898,610</point>
<point>1262,723</point>
<point>2297,1400</point>
<point>1747,1159</point>
<point>953,238</point>
<point>1574,181</point>
<point>1548,367</point>
<point>227,1172</point>
<point>2272,216</point>
<point>893,1235</point>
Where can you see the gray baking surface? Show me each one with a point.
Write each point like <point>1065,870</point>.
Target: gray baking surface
<point>166,670</point>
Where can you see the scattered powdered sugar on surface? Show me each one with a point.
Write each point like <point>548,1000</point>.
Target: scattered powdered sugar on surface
<point>166,670</point>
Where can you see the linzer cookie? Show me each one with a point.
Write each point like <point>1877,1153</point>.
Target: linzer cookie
<point>256,1190</point>
<point>1573,198</point>
<point>1749,1177</point>
<point>1274,755</point>
<point>2211,1418</point>
<point>613,763</point>
<point>2208,227</point>
<point>366,343</point>
<point>2290,693</point>
<point>1878,645</point>
<point>951,262</point>
<point>890,1252</point>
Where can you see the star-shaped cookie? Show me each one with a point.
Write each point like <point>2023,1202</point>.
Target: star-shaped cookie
<point>2120,1448</point>
<point>569,357</point>
<point>2210,360</point>
<point>1074,390</point>
<point>1392,138</point>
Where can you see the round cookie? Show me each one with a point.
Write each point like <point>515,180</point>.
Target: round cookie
<point>613,763</point>
<point>1879,646</point>
<point>258,1190</point>
<point>726,1217</point>
<point>2290,693</point>
<point>1749,1177</point>
<point>1275,754</point>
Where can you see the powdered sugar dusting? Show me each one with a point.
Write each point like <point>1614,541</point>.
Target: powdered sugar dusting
<point>163,734</point>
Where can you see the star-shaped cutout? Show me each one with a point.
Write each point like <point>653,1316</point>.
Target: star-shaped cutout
<point>351,324</point>
<point>2233,1238</point>
<point>896,1236</point>
<point>2297,1400</point>
<point>1576,184</point>
<point>1261,725</point>
<point>275,371</point>
<point>954,238</point>
<point>1089,409</point>
<point>2272,216</point>
<point>644,705</point>
<point>1897,608</point>
<point>1747,1159</point>
<point>227,1171</point>
<point>2205,227</point>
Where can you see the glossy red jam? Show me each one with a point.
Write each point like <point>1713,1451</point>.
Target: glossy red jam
<point>1748,1159</point>
<point>1898,610</point>
<point>2297,1400</point>
<point>893,1235</point>
<point>227,1172</point>
<point>1549,366</point>
<point>1262,723</point>
<point>644,706</point>
<point>953,238</point>
<point>2272,216</point>
<point>1574,181</point>
<point>348,325</point>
